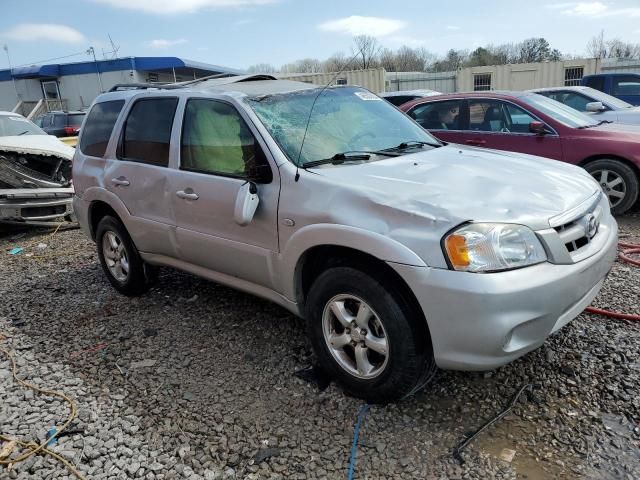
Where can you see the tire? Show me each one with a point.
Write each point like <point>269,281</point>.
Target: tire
<point>129,278</point>
<point>393,328</point>
<point>615,178</point>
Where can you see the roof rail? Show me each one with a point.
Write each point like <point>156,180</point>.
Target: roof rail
<point>136,86</point>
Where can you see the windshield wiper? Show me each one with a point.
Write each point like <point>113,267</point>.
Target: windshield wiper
<point>601,122</point>
<point>412,144</point>
<point>22,133</point>
<point>351,156</point>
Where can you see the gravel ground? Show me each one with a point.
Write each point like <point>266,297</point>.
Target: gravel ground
<point>194,380</point>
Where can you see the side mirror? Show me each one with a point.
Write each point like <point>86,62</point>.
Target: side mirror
<point>595,107</point>
<point>537,128</point>
<point>247,201</point>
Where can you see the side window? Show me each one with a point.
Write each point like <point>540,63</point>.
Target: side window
<point>216,139</point>
<point>518,120</point>
<point>59,120</point>
<point>627,85</point>
<point>570,99</point>
<point>97,131</point>
<point>147,131</point>
<point>596,82</point>
<point>438,115</point>
<point>399,99</point>
<point>487,116</point>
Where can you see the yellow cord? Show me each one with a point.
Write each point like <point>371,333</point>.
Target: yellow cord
<point>32,446</point>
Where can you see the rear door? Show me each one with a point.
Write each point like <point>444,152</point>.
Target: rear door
<point>444,119</point>
<point>503,125</point>
<point>138,173</point>
<point>219,150</point>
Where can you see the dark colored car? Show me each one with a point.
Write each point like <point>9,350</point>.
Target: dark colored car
<point>536,125</point>
<point>625,86</point>
<point>61,124</point>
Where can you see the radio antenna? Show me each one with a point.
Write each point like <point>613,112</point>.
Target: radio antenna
<point>306,128</point>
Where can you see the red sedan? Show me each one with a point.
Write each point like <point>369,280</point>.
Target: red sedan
<point>536,125</point>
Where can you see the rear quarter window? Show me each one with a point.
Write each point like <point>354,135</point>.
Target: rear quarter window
<point>97,130</point>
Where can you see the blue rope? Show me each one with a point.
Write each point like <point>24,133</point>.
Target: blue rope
<point>354,446</point>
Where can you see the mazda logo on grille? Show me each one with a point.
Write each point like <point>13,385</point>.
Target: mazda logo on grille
<point>592,225</point>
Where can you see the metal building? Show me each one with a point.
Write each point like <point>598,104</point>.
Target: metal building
<point>73,86</point>
<point>372,79</point>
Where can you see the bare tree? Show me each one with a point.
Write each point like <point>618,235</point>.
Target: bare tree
<point>367,49</point>
<point>338,62</point>
<point>596,47</point>
<point>305,65</point>
<point>262,68</point>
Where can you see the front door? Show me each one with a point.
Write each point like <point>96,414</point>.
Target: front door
<point>138,175</point>
<point>505,126</point>
<point>444,119</point>
<point>218,150</point>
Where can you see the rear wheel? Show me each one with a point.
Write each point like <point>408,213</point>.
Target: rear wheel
<point>618,182</point>
<point>120,259</point>
<point>367,337</point>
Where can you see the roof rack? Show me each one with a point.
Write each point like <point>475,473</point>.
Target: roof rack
<point>136,86</point>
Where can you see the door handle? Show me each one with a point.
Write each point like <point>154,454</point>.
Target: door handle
<point>187,194</point>
<point>120,181</point>
<point>477,143</point>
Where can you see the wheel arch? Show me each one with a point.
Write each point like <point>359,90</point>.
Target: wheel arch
<point>604,156</point>
<point>319,258</point>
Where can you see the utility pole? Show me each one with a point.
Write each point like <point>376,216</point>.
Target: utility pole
<point>91,51</point>
<point>6,49</point>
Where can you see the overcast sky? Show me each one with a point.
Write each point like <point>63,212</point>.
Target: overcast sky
<point>239,33</point>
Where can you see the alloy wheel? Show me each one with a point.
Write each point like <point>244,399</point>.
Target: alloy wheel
<point>355,336</point>
<point>115,256</point>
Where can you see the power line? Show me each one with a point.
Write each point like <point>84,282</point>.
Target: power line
<point>84,52</point>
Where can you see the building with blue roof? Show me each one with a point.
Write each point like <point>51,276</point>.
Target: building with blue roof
<point>31,90</point>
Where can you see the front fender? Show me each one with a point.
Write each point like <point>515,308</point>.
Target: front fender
<point>375,244</point>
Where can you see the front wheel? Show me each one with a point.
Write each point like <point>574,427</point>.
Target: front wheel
<point>119,258</point>
<point>618,182</point>
<point>367,337</point>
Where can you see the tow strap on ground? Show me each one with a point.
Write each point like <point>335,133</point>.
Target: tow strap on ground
<point>626,249</point>
<point>32,447</point>
<point>354,445</point>
<point>457,451</point>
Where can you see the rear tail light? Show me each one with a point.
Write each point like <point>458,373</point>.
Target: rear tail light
<point>71,130</point>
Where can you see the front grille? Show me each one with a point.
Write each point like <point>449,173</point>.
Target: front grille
<point>578,233</point>
<point>34,212</point>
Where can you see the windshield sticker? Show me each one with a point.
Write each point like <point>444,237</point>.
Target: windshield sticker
<point>367,96</point>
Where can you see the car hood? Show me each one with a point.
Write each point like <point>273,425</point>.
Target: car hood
<point>454,184</point>
<point>37,145</point>
<point>629,115</point>
<point>617,131</point>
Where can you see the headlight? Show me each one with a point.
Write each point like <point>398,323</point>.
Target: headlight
<point>489,247</point>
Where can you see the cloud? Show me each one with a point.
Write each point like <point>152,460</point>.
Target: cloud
<point>594,10</point>
<point>163,43</point>
<point>44,31</point>
<point>452,27</point>
<point>167,7</point>
<point>357,25</point>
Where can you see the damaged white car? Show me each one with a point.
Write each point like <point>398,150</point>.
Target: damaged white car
<point>35,173</point>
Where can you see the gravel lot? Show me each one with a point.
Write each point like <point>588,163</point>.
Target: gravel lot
<point>194,380</point>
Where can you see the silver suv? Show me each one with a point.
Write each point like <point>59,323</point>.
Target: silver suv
<point>400,252</point>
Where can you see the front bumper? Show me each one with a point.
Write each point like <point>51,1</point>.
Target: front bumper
<point>35,204</point>
<point>483,321</point>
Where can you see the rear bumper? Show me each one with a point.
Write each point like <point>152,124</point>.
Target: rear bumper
<point>483,321</point>
<point>38,204</point>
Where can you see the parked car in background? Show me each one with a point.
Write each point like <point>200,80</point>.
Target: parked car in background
<point>401,253</point>
<point>404,96</point>
<point>625,86</point>
<point>536,125</point>
<point>593,102</point>
<point>61,124</point>
<point>35,172</point>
